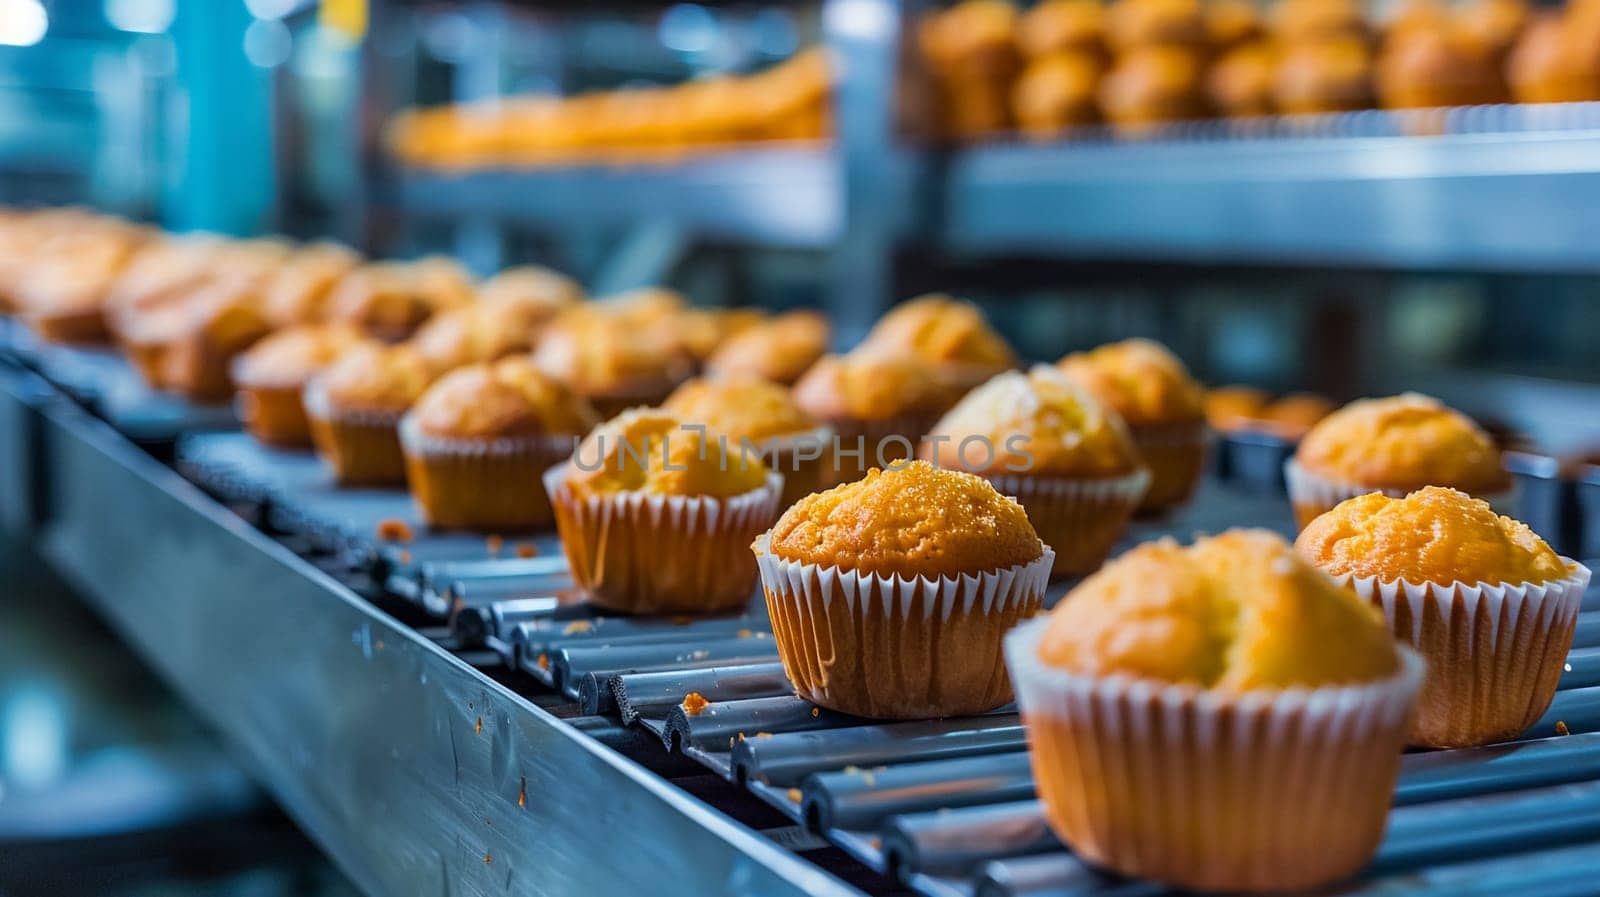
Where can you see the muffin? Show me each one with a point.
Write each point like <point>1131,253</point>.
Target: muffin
<point>1230,408</point>
<point>1195,715</point>
<point>656,517</point>
<point>611,360</point>
<point>1049,443</point>
<point>889,597</point>
<point>1164,408</point>
<point>1394,446</point>
<point>298,292</point>
<point>971,55</point>
<point>779,349</point>
<point>878,405</point>
<point>532,286</point>
<point>760,419</point>
<point>1322,75</point>
<point>271,377</point>
<point>1429,67</point>
<point>1239,83</point>
<point>212,327</point>
<point>1151,85</point>
<point>1549,63</point>
<point>1492,26</point>
<point>1062,26</point>
<point>1232,23</point>
<point>948,333</point>
<point>1293,415</point>
<point>478,441</point>
<point>1137,24</point>
<point>391,300</point>
<point>1486,601</point>
<point>1056,92</point>
<point>355,405</point>
<point>701,331</point>
<point>1299,21</point>
<point>479,332</point>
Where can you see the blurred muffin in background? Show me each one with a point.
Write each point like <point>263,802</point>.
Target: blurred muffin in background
<point>1293,415</point>
<point>971,55</point>
<point>1492,26</point>
<point>390,300</point>
<point>272,374</point>
<point>297,293</point>
<point>779,349</point>
<point>1323,75</point>
<point>1062,26</point>
<point>1553,62</point>
<point>1239,83</point>
<point>1151,85</point>
<point>701,331</point>
<point>1430,65</point>
<point>1135,24</point>
<point>1295,21</point>
<point>1232,23</point>
<point>533,287</point>
<point>612,358</point>
<point>1057,91</point>
<point>221,321</point>
<point>879,404</point>
<point>354,406</point>
<point>760,419</point>
<point>1230,408</point>
<point>951,334</point>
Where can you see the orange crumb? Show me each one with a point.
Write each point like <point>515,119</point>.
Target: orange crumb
<point>816,712</point>
<point>544,661</point>
<point>744,633</point>
<point>694,703</point>
<point>763,734</point>
<point>487,859</point>
<point>404,557</point>
<point>577,626</point>
<point>522,792</point>
<point>1561,727</point>
<point>494,543</point>
<point>478,729</point>
<point>393,529</point>
<point>527,550</point>
<point>794,794</point>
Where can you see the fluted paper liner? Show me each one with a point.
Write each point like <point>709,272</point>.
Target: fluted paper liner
<point>1259,791</point>
<point>642,553</point>
<point>1313,495</point>
<point>1495,651</point>
<point>483,484</point>
<point>1082,519</point>
<point>361,446</point>
<point>1176,457</point>
<point>890,647</point>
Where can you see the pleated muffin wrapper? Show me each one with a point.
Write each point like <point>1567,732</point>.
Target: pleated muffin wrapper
<point>891,647</point>
<point>491,485</point>
<point>1082,519</point>
<point>1176,457</point>
<point>360,445</point>
<point>641,553</point>
<point>1313,495</point>
<point>1265,790</point>
<point>1495,651</point>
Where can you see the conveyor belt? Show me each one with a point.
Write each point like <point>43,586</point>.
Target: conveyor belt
<point>946,807</point>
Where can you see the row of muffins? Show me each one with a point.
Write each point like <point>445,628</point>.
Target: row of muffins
<point>1066,63</point>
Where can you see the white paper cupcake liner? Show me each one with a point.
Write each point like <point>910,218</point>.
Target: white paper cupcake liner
<point>1176,457</point>
<point>1081,519</point>
<point>1313,495</point>
<point>1495,651</point>
<point>491,485</point>
<point>643,553</point>
<point>1261,790</point>
<point>892,647</point>
<point>318,406</point>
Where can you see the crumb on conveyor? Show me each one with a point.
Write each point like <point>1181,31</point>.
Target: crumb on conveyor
<point>393,529</point>
<point>694,703</point>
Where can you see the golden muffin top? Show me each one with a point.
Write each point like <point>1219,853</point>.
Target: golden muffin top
<point>1054,26</point>
<point>480,331</point>
<point>942,330</point>
<point>299,291</point>
<point>701,331</point>
<point>605,354</point>
<point>740,407</point>
<point>1432,535</point>
<point>1035,424</point>
<point>1140,380</point>
<point>371,377</point>
<point>509,397</point>
<point>911,520</point>
<point>1293,416</point>
<point>390,299</point>
<point>1402,442</point>
<point>869,385</point>
<point>1143,23</point>
<point>290,356</point>
<point>1302,20</point>
<point>1235,407</point>
<point>533,287</point>
<point>646,305</point>
<point>650,450</point>
<point>1233,612</point>
<point>779,349</point>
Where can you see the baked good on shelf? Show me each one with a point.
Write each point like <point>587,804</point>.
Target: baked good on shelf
<point>1487,602</point>
<point>1183,689</point>
<point>1492,26</point>
<point>1321,75</point>
<point>391,300</point>
<point>478,441</point>
<point>271,377</point>
<point>1135,24</point>
<point>1295,21</point>
<point>1046,441</point>
<point>355,405</point>
<point>1150,85</point>
<point>478,332</point>
<point>1164,408</point>
<point>657,518</point>
<point>1232,23</point>
<point>949,333</point>
<point>532,286</point>
<point>878,403</point>
<point>1293,415</point>
<point>760,419</point>
<point>1239,83</point>
<point>1231,408</point>
<point>60,291</point>
<point>779,349</point>
<point>701,331</point>
<point>210,328</point>
<point>889,597</point>
<point>1393,445</point>
<point>1425,67</point>
<point>1055,92</point>
<point>298,292</point>
<point>614,359</point>
<point>1554,61</point>
<point>1062,26</point>
<point>971,56</point>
